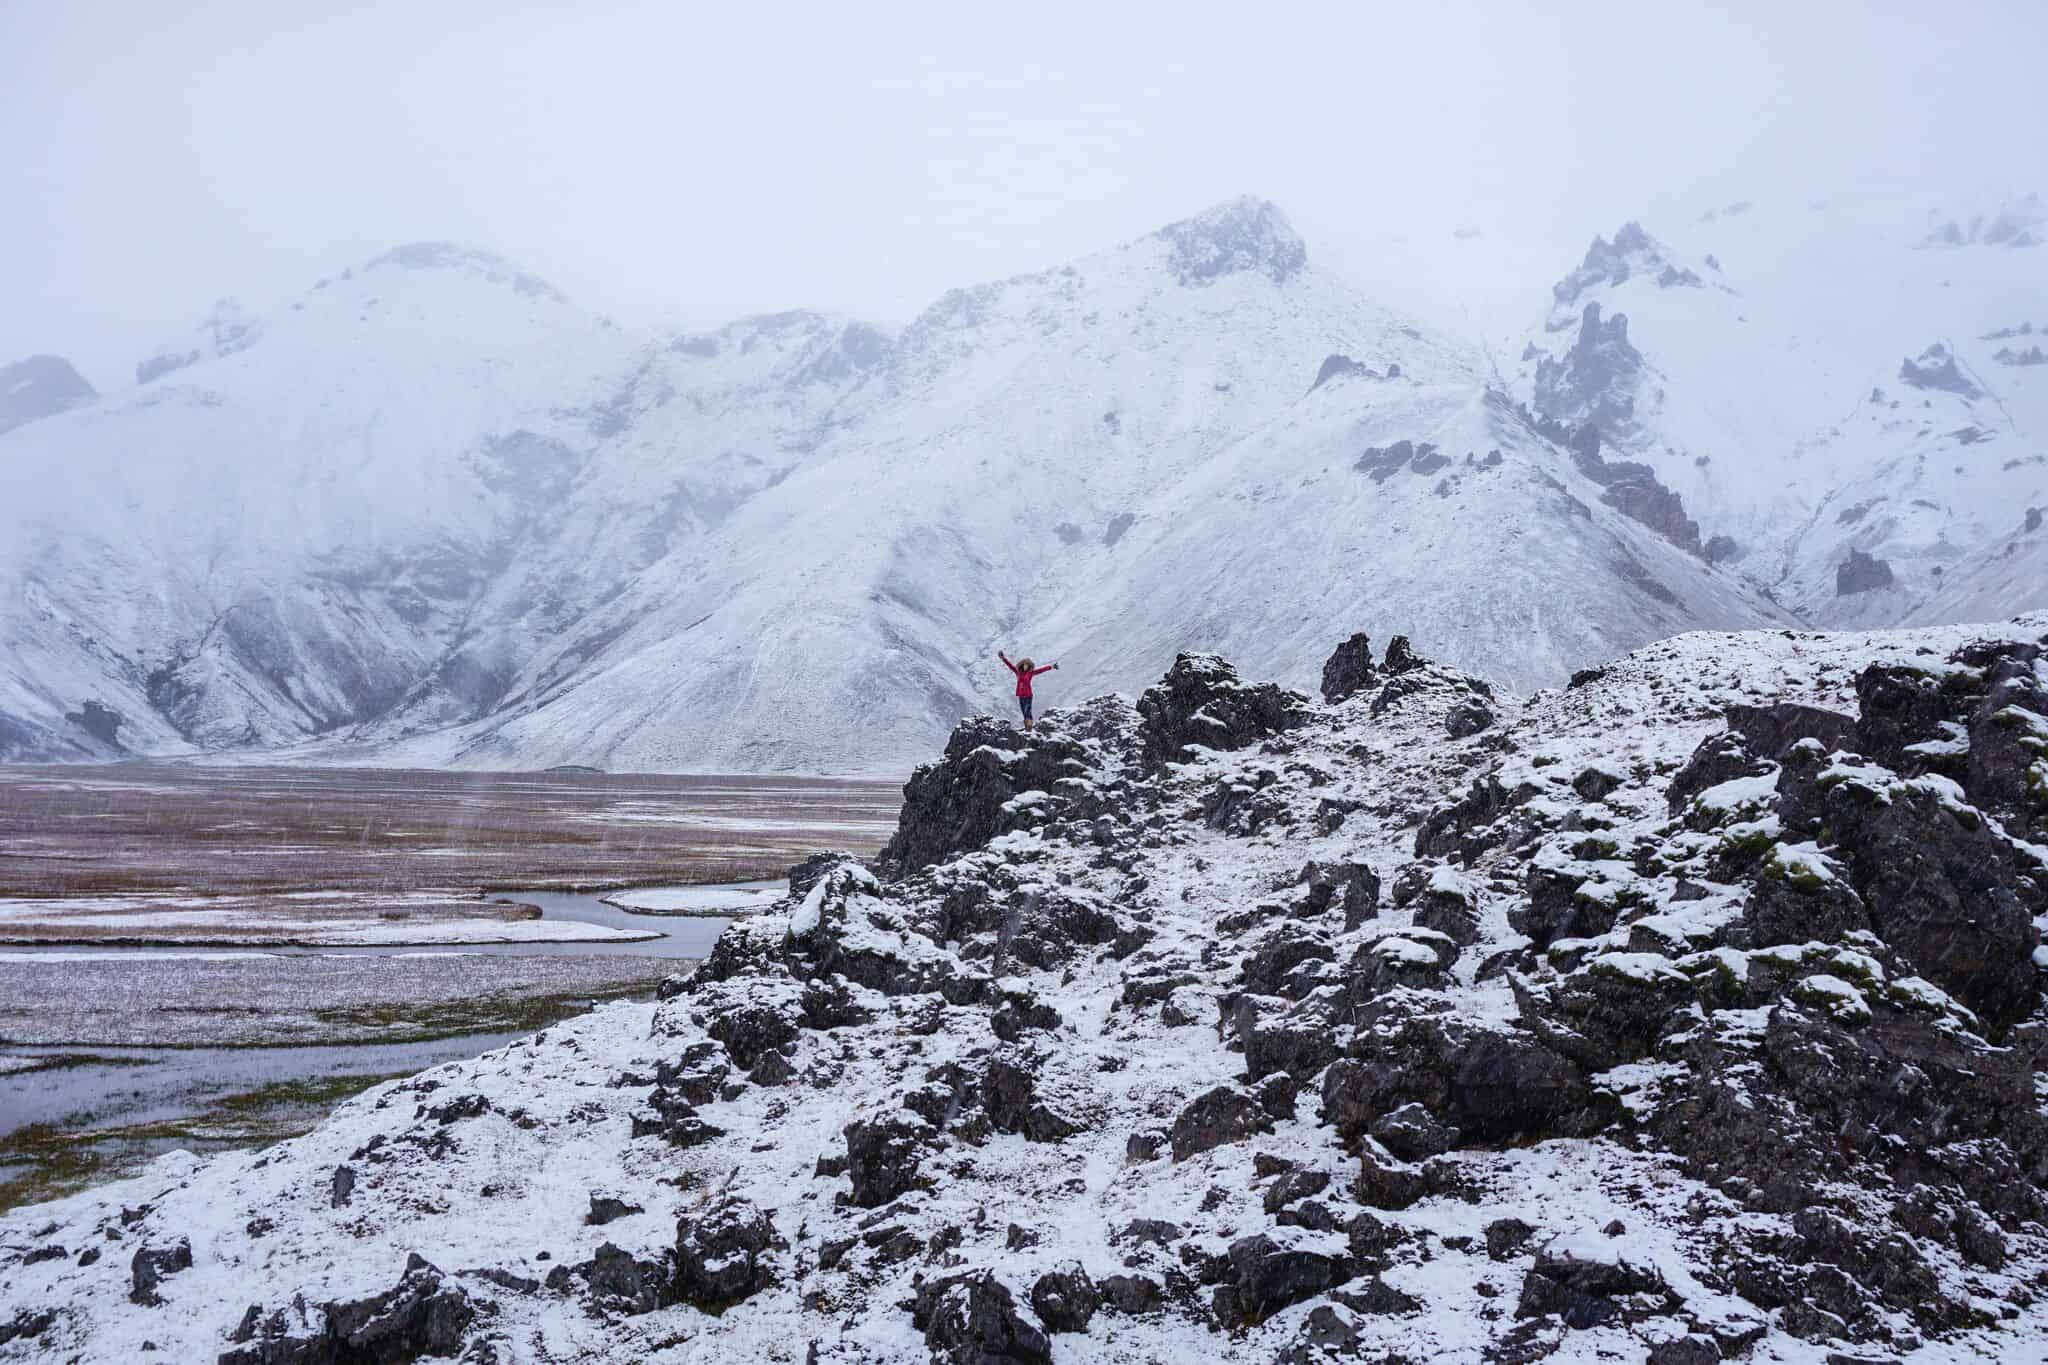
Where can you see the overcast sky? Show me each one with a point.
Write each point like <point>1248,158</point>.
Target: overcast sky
<point>694,162</point>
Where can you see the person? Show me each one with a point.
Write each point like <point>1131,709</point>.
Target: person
<point>1025,673</point>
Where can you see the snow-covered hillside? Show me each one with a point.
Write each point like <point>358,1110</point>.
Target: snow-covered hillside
<point>1842,393</point>
<point>1690,1013</point>
<point>432,512</point>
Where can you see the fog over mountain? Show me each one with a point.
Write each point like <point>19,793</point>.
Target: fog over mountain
<point>385,404</point>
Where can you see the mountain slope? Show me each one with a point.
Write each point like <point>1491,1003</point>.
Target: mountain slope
<point>1842,394</point>
<point>1052,464</point>
<point>432,512</point>
<point>1640,1022</point>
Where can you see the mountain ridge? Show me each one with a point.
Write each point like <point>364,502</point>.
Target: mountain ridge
<point>793,541</point>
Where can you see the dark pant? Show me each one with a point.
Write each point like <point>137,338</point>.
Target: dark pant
<point>1024,705</point>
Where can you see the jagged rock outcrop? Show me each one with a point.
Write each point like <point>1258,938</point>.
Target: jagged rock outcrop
<point>1349,669</point>
<point>1201,703</point>
<point>1697,1013</point>
<point>420,1316</point>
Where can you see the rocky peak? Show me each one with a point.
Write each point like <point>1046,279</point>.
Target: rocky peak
<point>1244,234</point>
<point>1633,252</point>
<point>1596,379</point>
<point>471,260</point>
<point>38,387</point>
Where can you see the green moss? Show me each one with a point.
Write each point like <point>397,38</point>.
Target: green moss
<point>57,1160</point>
<point>1801,879</point>
<point>1596,850</point>
<point>425,1023</point>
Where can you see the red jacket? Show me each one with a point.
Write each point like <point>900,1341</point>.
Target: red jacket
<point>1024,678</point>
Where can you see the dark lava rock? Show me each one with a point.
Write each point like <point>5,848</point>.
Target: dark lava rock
<point>1217,1117</point>
<point>1009,1098</point>
<point>605,1209</point>
<point>1467,719</point>
<point>1791,905</point>
<point>972,1319</point>
<point>419,1316</point>
<point>750,1029</point>
<point>1942,888</point>
<point>956,804</point>
<point>152,1266</point>
<point>1131,1294</point>
<point>1717,759</point>
<point>342,1187</point>
<point>622,1282</point>
<point>1401,656</point>
<point>1349,669</point>
<point>1413,1133</point>
<point>1065,1299</point>
<point>882,1157</point>
<point>724,1255</point>
<point>1506,1238</point>
<point>1585,1292</point>
<point>812,870</point>
<point>1770,730</point>
<point>1266,1276</point>
<point>1448,908</point>
<point>1201,701</point>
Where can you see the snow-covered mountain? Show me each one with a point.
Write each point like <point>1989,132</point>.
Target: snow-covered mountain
<point>433,512</point>
<point>1848,396</point>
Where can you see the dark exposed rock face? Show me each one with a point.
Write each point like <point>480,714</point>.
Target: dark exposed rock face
<point>1770,730</point>
<point>1244,235</point>
<point>1861,573</point>
<point>1635,491</point>
<point>1216,1117</point>
<point>1591,1292</point>
<point>1468,718</point>
<point>1266,1276</point>
<point>724,1255</point>
<point>1941,888</point>
<point>973,1319</point>
<point>1065,1300</point>
<point>1201,702</point>
<point>1349,669</point>
<point>1595,381</point>
<point>1401,657</point>
<point>1936,369</point>
<point>419,1316</point>
<point>151,1266</point>
<point>882,1157</point>
<point>38,387</point>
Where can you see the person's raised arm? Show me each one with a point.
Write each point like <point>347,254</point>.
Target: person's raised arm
<point>1006,661</point>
